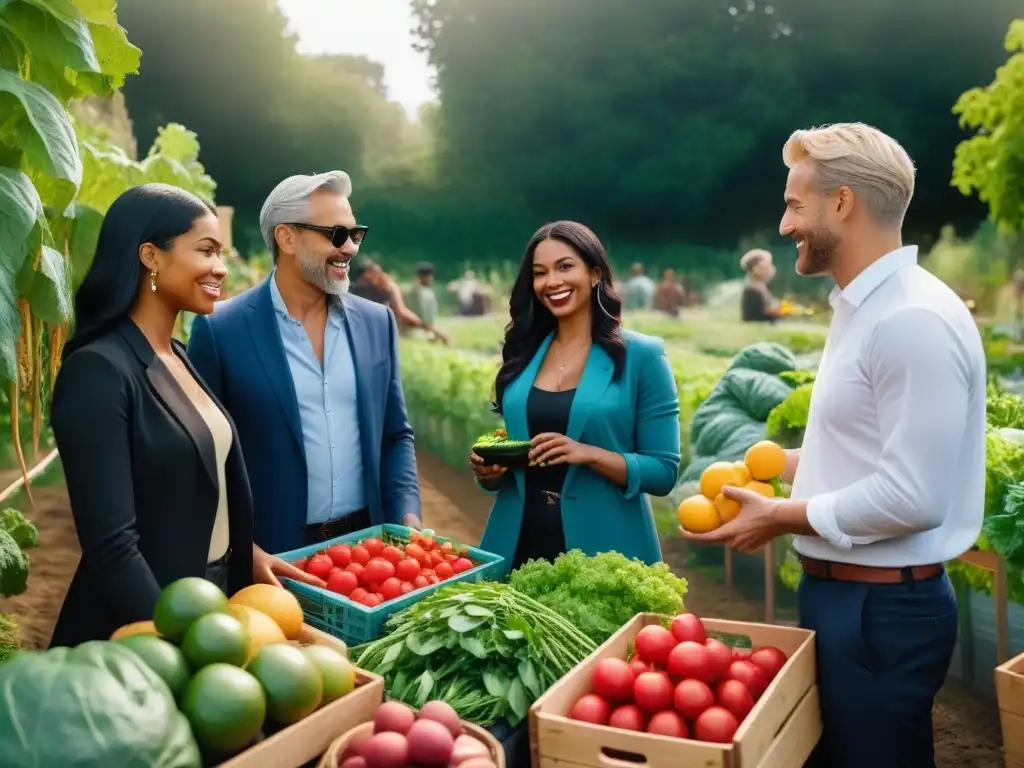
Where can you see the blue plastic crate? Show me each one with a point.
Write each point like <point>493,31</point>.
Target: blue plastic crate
<point>354,623</point>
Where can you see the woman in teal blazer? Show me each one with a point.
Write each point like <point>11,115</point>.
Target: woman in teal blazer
<point>598,403</point>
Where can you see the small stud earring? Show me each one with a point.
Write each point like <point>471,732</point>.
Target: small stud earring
<point>152,281</point>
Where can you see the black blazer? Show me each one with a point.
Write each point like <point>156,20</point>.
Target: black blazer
<point>141,472</point>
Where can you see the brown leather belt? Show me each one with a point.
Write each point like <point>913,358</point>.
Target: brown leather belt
<point>867,574</point>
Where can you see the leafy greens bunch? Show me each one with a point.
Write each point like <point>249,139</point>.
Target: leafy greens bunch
<point>599,594</point>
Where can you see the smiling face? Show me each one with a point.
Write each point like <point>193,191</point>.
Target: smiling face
<point>190,272</point>
<point>562,280</point>
<point>809,220</point>
<point>317,260</point>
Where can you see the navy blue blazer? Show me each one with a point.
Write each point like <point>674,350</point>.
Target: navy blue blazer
<point>239,353</point>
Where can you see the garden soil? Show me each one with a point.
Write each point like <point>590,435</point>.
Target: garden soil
<point>966,727</point>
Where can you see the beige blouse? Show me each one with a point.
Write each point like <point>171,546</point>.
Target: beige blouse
<point>220,429</point>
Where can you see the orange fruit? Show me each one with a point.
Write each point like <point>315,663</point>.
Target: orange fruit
<point>715,476</point>
<point>697,514</point>
<point>262,629</point>
<point>764,489</point>
<point>727,508</point>
<point>277,603</point>
<point>765,460</point>
<point>135,628</point>
<point>742,473</point>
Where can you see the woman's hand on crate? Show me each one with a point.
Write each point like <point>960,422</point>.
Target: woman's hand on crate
<point>268,569</point>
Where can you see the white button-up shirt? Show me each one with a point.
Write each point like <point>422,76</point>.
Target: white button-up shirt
<point>893,458</point>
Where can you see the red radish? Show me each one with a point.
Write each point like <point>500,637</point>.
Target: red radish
<point>734,696</point>
<point>716,725</point>
<point>639,667</point>
<point>340,554</point>
<point>628,717</point>
<point>686,626</point>
<point>668,723</point>
<point>373,546</point>
<point>407,569</point>
<point>430,743</point>
<point>691,698</point>
<point>443,713</point>
<point>360,554</point>
<point>719,656</point>
<point>748,673</point>
<point>653,644</point>
<point>466,748</point>
<point>393,716</point>
<point>770,659</point>
<point>690,659</point>
<point>386,750</point>
<point>613,679</point>
<point>590,708</point>
<point>652,691</point>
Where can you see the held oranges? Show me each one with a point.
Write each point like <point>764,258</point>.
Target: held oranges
<point>715,476</point>
<point>765,489</point>
<point>697,514</point>
<point>727,508</point>
<point>277,603</point>
<point>742,473</point>
<point>765,460</point>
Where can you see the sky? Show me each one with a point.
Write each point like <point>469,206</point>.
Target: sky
<point>377,29</point>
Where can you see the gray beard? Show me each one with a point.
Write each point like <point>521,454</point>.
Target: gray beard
<point>317,275</point>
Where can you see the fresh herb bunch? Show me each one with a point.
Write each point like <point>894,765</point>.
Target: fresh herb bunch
<point>485,649</point>
<point>1005,531</point>
<point>601,593</point>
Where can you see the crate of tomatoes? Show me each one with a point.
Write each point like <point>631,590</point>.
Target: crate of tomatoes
<point>666,692</point>
<point>378,571</point>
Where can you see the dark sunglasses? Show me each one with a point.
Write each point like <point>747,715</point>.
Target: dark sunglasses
<point>337,235</point>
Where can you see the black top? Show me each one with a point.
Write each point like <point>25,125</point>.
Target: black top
<point>141,473</point>
<point>754,306</point>
<point>548,412</point>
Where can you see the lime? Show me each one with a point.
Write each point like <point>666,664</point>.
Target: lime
<point>167,661</point>
<point>216,638</point>
<point>291,681</point>
<point>337,672</point>
<point>225,706</point>
<point>184,601</point>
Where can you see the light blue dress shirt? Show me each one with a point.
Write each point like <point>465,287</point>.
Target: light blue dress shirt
<point>328,413</point>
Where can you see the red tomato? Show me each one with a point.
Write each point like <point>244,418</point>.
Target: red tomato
<point>590,708</point>
<point>355,568</point>
<point>444,570</point>
<point>320,566</point>
<point>340,554</point>
<point>613,680</point>
<point>420,582</point>
<point>373,546</point>
<point>716,724</point>
<point>427,542</point>
<point>370,600</point>
<point>741,654</point>
<point>301,563</point>
<point>436,558</point>
<point>417,553</point>
<point>654,643</point>
<point>692,697</point>
<point>748,673</point>
<point>668,723</point>
<point>686,626</point>
<point>391,588</point>
<point>451,557</point>
<point>734,696</point>
<point>447,547</point>
<point>342,581</point>
<point>770,659</point>
<point>379,569</point>
<point>407,569</point>
<point>462,564</point>
<point>391,554</point>
<point>689,659</point>
<point>360,554</point>
<point>628,717</point>
<point>719,655</point>
<point>407,588</point>
<point>373,586</point>
<point>652,691</point>
<point>639,667</point>
<point>429,575</point>
<point>358,594</point>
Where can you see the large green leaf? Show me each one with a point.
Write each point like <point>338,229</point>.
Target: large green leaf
<point>53,31</point>
<point>79,228</point>
<point>117,56</point>
<point>43,129</point>
<point>50,294</point>
<point>21,214</point>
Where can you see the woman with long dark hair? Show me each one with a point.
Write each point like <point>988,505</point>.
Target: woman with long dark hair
<point>157,483</point>
<point>598,403</point>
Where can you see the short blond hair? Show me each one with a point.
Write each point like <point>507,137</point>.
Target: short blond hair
<point>855,155</point>
<point>754,257</point>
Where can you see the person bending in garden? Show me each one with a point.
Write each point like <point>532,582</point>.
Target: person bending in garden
<point>598,403</point>
<point>890,480</point>
<point>152,462</point>
<point>310,375</point>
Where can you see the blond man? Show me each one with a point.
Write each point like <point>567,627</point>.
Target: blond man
<point>890,481</point>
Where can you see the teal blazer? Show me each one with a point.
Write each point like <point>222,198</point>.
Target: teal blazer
<point>636,416</point>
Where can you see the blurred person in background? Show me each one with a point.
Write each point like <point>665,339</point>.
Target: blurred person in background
<point>311,376</point>
<point>599,404</point>
<point>153,464</point>
<point>639,289</point>
<point>670,295</point>
<point>470,294</point>
<point>426,302</point>
<point>374,284</point>
<point>757,305</point>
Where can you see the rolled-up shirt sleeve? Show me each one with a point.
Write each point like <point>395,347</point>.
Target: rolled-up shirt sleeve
<point>919,372</point>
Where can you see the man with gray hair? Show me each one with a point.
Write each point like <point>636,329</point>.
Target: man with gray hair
<point>889,483</point>
<point>310,376</point>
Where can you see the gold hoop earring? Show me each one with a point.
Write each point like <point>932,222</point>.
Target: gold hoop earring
<point>152,281</point>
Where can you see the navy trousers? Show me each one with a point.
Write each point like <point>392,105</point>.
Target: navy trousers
<point>883,653</point>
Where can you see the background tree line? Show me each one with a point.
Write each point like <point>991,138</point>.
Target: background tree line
<point>660,123</point>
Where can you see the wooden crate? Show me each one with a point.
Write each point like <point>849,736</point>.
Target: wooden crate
<point>780,732</point>
<point>306,740</point>
<point>1010,695</point>
<point>337,749</point>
